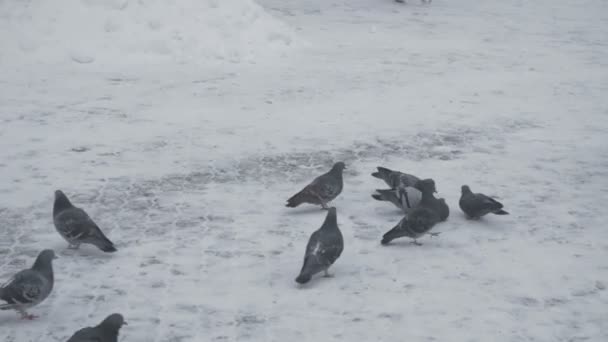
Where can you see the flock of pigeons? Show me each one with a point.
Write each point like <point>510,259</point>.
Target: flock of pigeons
<point>407,192</point>
<point>414,196</point>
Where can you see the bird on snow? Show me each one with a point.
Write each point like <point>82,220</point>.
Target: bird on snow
<point>477,205</point>
<point>75,225</point>
<point>29,287</point>
<point>322,189</point>
<point>395,179</point>
<point>323,249</point>
<point>106,331</point>
<point>414,225</point>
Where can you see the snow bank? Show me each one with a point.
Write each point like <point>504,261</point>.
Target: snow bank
<point>136,31</point>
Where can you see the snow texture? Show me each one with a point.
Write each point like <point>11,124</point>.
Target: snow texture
<point>185,163</point>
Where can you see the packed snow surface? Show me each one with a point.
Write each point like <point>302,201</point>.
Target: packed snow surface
<point>183,126</point>
<point>143,31</point>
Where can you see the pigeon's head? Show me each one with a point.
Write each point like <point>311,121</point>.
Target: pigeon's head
<point>44,261</point>
<point>339,166</point>
<point>113,322</point>
<point>61,202</point>
<point>426,185</point>
<point>47,255</point>
<point>465,189</point>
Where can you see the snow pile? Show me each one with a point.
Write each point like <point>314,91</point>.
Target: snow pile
<point>124,31</point>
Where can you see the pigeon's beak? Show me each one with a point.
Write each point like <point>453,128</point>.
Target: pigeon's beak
<point>124,323</point>
<point>55,257</point>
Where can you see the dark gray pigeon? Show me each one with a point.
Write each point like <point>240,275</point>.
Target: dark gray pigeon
<point>438,205</point>
<point>414,225</point>
<point>322,190</point>
<point>75,225</point>
<point>478,205</point>
<point>324,247</point>
<point>395,179</point>
<point>106,331</point>
<point>29,287</point>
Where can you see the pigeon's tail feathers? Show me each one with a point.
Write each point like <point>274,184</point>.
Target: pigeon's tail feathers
<point>104,244</point>
<point>303,278</point>
<point>383,173</point>
<point>294,201</point>
<point>501,212</point>
<point>392,234</point>
<point>299,198</point>
<point>386,195</point>
<point>386,240</point>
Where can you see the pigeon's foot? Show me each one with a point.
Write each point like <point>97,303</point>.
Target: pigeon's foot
<point>327,275</point>
<point>416,243</point>
<point>434,234</point>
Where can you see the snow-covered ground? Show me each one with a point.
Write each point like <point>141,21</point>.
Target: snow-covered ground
<point>182,129</point>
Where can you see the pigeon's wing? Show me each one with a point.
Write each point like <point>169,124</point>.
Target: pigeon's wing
<point>409,198</point>
<point>483,203</point>
<point>389,195</point>
<point>407,180</point>
<point>76,224</point>
<point>422,220</point>
<point>26,287</point>
<point>326,187</point>
<point>86,335</point>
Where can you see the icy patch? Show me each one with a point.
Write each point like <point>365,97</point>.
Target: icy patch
<point>120,31</point>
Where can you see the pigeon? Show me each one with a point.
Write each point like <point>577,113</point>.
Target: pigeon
<point>414,225</point>
<point>322,190</point>
<point>324,247</point>
<point>29,287</point>
<point>478,205</point>
<point>106,331</point>
<point>427,186</point>
<point>395,179</point>
<point>76,227</point>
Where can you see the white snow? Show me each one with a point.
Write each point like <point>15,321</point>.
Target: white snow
<point>182,127</point>
<point>139,32</point>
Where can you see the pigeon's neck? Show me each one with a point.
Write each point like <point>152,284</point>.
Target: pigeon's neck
<point>336,172</point>
<point>467,192</point>
<point>427,195</point>
<point>61,203</point>
<point>44,266</point>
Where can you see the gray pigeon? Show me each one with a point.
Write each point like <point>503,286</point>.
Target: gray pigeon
<point>417,223</point>
<point>395,179</point>
<point>438,205</point>
<point>478,205</point>
<point>324,247</point>
<point>106,331</point>
<point>75,225</point>
<point>322,190</point>
<point>29,287</point>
